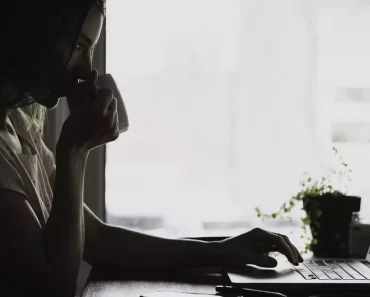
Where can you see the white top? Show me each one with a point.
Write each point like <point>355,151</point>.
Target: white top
<point>30,173</point>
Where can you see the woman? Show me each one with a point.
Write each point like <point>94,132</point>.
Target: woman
<point>45,227</point>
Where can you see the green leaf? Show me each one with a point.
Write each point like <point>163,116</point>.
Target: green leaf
<point>306,221</point>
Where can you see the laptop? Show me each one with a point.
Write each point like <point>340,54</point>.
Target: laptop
<point>317,274</point>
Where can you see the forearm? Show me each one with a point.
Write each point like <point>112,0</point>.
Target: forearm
<point>121,247</point>
<point>63,234</point>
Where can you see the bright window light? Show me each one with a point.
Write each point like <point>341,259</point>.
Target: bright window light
<point>230,102</point>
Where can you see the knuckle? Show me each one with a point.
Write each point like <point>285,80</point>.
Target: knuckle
<point>280,240</point>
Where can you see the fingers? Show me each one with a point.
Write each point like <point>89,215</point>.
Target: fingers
<point>113,130</point>
<point>112,108</point>
<point>105,136</point>
<point>298,255</point>
<point>108,128</point>
<point>103,100</point>
<point>112,114</point>
<point>293,248</point>
<point>284,246</point>
<point>300,258</point>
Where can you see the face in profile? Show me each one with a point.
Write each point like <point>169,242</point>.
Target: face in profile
<point>80,64</point>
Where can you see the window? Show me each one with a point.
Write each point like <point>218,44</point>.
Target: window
<point>230,102</point>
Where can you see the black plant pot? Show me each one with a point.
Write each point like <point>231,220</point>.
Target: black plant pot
<point>331,215</point>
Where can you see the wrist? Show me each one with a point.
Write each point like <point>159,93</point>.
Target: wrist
<point>217,250</point>
<point>66,153</point>
<point>71,140</point>
<point>66,147</point>
<point>209,253</point>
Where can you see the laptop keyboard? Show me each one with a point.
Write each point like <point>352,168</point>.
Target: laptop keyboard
<point>333,270</point>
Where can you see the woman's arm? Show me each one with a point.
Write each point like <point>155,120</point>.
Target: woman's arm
<point>63,235</point>
<point>114,246</point>
<point>108,245</point>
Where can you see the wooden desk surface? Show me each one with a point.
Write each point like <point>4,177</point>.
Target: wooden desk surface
<point>118,283</point>
<point>134,283</point>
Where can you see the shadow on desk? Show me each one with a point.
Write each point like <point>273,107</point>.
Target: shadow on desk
<point>205,275</point>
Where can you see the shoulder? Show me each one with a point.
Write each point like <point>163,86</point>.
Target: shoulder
<point>34,138</point>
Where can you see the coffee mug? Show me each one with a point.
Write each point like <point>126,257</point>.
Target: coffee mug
<point>107,81</point>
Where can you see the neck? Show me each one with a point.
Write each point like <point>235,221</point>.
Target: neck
<point>4,113</point>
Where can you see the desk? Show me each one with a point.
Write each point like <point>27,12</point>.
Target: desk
<point>131,284</point>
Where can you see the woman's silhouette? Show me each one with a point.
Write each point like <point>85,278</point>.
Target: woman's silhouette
<point>45,228</point>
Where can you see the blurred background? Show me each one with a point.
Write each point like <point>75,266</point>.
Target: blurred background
<point>230,102</point>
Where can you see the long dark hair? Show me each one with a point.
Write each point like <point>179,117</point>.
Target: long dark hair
<point>39,37</point>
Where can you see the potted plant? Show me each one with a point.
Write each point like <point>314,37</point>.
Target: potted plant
<point>328,212</point>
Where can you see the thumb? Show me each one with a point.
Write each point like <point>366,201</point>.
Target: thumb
<point>260,260</point>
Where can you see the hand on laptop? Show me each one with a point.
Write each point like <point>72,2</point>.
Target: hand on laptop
<point>253,248</point>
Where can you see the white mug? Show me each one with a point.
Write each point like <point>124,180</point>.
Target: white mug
<point>107,81</point>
